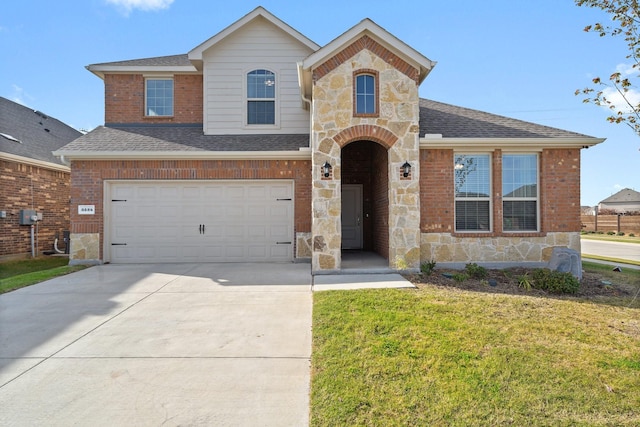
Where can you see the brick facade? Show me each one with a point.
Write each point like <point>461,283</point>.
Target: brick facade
<point>124,99</point>
<point>37,188</point>
<point>559,196</point>
<point>89,176</point>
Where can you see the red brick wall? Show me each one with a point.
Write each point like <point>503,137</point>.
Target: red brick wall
<point>559,192</point>
<point>88,177</point>
<point>32,187</point>
<point>124,99</point>
<point>436,191</point>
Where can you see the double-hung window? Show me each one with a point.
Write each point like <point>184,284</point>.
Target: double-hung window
<point>520,192</point>
<point>261,97</point>
<point>366,101</point>
<point>472,184</point>
<point>159,97</point>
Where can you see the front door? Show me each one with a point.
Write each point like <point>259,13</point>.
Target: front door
<point>352,216</point>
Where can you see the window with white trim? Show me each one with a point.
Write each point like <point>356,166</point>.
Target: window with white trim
<point>261,97</point>
<point>520,192</point>
<point>472,184</point>
<point>159,97</point>
<point>365,96</point>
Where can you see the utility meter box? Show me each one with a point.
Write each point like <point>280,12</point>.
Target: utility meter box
<point>28,217</point>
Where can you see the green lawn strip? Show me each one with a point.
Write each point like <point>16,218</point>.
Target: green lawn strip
<point>15,268</point>
<point>609,259</point>
<point>441,356</point>
<point>13,282</point>
<point>610,238</point>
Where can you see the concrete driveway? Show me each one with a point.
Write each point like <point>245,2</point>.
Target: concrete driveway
<point>182,344</point>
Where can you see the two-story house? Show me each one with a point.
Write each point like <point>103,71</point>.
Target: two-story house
<point>260,145</point>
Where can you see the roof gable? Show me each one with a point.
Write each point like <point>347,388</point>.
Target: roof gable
<point>623,196</point>
<point>196,53</point>
<point>368,34</point>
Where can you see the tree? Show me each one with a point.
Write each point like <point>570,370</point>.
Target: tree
<point>619,92</point>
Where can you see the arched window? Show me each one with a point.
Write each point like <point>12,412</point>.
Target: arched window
<point>261,97</point>
<point>366,100</point>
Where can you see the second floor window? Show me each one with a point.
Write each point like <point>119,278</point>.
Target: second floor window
<point>365,94</point>
<point>159,97</point>
<point>261,97</point>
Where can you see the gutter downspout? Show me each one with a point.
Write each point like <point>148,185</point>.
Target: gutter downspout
<point>305,100</point>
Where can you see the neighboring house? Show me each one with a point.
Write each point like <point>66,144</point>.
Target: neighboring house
<point>32,180</point>
<point>626,200</point>
<point>260,145</point>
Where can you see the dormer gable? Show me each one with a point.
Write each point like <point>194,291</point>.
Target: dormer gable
<point>195,55</point>
<point>365,35</point>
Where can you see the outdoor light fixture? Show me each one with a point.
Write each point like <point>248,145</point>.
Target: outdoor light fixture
<point>406,169</point>
<point>326,169</point>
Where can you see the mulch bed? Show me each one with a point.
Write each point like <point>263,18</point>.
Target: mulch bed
<point>506,282</point>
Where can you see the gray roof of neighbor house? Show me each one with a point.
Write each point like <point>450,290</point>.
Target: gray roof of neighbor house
<point>435,118</point>
<point>625,195</point>
<point>28,133</point>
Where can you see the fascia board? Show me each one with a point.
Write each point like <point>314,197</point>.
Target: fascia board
<point>303,154</point>
<point>367,26</point>
<point>34,162</point>
<point>195,54</point>
<point>523,144</point>
<point>101,70</point>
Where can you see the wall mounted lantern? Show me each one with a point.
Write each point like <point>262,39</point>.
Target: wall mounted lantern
<point>406,169</point>
<point>326,169</point>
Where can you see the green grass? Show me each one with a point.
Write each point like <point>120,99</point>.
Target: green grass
<point>610,259</point>
<point>446,356</point>
<point>610,238</point>
<point>18,274</point>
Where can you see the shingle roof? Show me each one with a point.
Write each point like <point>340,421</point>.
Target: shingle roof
<point>38,133</point>
<point>180,138</point>
<point>458,122</point>
<point>163,61</point>
<point>623,196</point>
<point>435,118</point>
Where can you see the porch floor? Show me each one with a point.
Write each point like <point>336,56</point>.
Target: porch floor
<point>354,262</point>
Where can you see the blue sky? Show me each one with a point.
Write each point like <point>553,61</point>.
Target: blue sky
<point>517,58</point>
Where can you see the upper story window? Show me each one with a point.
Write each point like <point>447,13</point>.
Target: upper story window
<point>472,185</point>
<point>159,97</point>
<point>520,192</point>
<point>261,97</point>
<point>366,94</point>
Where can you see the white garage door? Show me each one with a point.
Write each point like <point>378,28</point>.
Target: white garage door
<point>199,221</point>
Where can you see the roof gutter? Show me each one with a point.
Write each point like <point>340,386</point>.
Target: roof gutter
<point>516,144</point>
<point>34,162</point>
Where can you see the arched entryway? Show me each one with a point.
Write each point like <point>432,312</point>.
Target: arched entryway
<point>365,200</point>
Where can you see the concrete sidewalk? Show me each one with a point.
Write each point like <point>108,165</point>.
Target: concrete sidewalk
<point>199,344</point>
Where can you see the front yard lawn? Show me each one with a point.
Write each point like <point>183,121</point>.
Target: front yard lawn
<point>445,355</point>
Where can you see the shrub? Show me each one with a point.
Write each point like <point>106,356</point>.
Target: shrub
<point>555,282</point>
<point>611,233</point>
<point>428,267</point>
<point>460,277</point>
<point>476,271</point>
<point>632,235</point>
<point>620,233</point>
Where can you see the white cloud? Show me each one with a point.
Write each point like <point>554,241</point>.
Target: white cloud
<point>626,69</point>
<point>19,95</point>
<point>613,96</point>
<point>126,6</point>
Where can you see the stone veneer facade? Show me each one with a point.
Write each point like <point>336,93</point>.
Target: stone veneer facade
<point>395,127</point>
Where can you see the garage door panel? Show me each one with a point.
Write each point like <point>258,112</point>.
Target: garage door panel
<point>161,221</point>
